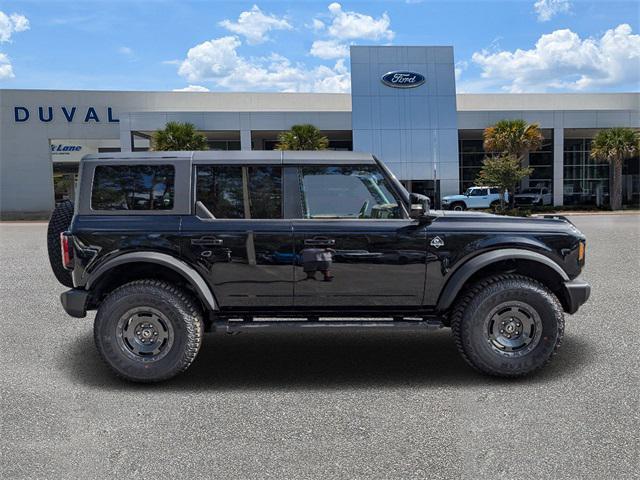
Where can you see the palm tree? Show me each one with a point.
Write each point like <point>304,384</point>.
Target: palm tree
<point>302,137</point>
<point>515,138</point>
<point>178,136</point>
<point>615,145</point>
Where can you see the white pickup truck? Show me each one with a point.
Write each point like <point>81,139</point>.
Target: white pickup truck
<point>474,197</point>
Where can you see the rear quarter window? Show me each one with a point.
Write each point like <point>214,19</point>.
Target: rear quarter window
<point>133,187</point>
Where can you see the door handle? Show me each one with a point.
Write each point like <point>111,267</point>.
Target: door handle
<point>206,241</point>
<point>319,242</point>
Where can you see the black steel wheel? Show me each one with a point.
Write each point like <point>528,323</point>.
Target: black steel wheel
<point>148,330</point>
<point>145,334</point>
<point>507,325</point>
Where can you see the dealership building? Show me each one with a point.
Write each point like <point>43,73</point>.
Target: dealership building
<point>413,120</point>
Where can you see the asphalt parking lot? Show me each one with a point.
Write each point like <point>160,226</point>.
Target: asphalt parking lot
<point>339,405</point>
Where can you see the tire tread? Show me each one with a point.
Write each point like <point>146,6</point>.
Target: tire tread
<point>463,302</point>
<point>182,301</point>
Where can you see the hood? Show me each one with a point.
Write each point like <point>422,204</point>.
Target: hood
<point>469,220</point>
<point>454,197</point>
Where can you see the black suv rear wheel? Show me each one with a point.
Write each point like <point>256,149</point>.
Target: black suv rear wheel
<point>148,330</point>
<point>507,325</point>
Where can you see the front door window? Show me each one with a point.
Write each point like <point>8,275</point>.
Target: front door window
<point>347,192</point>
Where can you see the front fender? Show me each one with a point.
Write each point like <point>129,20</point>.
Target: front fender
<point>459,278</point>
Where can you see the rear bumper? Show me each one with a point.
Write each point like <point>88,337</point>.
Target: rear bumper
<point>74,302</point>
<point>577,293</point>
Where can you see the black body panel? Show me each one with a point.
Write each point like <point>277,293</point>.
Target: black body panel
<point>373,263</point>
<point>351,266</point>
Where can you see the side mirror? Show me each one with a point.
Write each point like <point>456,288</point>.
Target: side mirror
<point>420,206</point>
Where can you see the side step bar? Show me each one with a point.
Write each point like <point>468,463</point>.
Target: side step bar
<point>317,325</point>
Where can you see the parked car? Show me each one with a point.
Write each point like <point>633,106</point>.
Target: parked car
<point>474,197</point>
<point>168,245</point>
<point>534,196</point>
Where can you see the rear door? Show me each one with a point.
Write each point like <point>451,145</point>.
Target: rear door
<point>354,244</point>
<point>246,252</point>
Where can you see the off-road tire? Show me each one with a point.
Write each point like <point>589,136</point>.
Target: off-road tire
<point>180,310</point>
<point>495,205</point>
<point>59,222</point>
<point>471,312</point>
<point>458,206</point>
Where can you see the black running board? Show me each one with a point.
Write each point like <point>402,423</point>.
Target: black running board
<point>316,325</point>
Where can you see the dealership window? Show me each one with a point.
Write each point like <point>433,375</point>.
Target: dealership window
<point>471,151</point>
<point>227,191</point>
<point>586,180</point>
<point>541,161</point>
<point>133,187</point>
<point>347,192</point>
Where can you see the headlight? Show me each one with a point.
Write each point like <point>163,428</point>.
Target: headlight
<point>444,200</point>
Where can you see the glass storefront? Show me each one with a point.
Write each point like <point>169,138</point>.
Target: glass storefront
<point>587,181</point>
<point>472,154</point>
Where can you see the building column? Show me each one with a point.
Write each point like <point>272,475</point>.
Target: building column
<point>125,134</point>
<point>245,139</point>
<point>558,166</point>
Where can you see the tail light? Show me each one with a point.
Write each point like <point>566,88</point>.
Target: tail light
<point>66,249</point>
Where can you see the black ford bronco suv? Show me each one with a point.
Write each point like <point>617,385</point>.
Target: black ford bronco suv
<point>168,245</point>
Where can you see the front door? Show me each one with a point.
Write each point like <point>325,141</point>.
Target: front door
<point>354,245</point>
<point>246,252</point>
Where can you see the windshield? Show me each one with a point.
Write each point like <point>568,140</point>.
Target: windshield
<point>531,190</point>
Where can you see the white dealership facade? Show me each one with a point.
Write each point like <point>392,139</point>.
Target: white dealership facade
<point>427,134</point>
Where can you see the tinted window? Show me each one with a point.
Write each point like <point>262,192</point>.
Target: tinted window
<point>494,191</point>
<point>220,188</point>
<point>347,192</point>
<point>477,192</point>
<point>133,187</point>
<point>265,191</point>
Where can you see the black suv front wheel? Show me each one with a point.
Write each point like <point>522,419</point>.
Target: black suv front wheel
<point>507,325</point>
<point>148,330</point>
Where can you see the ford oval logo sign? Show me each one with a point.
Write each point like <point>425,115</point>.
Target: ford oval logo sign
<point>401,79</point>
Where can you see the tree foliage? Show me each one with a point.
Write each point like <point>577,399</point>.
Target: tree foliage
<point>178,136</point>
<point>615,145</point>
<point>302,137</point>
<point>504,172</point>
<point>515,138</point>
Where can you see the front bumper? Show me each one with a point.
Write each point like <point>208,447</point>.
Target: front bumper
<point>74,302</point>
<point>576,294</point>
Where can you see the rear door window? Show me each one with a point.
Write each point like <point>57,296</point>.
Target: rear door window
<point>240,192</point>
<point>133,187</point>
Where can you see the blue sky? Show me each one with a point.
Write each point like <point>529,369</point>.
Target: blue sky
<point>509,46</point>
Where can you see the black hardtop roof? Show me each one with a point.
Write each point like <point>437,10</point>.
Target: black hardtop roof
<point>239,156</point>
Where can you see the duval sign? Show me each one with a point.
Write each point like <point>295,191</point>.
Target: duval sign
<point>47,114</point>
<point>403,79</point>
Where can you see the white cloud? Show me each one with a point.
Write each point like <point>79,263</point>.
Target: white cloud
<point>218,61</point>
<point>255,24</point>
<point>328,49</point>
<point>127,51</point>
<point>317,25</point>
<point>547,9</point>
<point>192,88</point>
<point>10,24</point>
<point>6,70</point>
<point>561,60</point>
<point>351,25</point>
